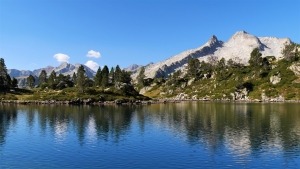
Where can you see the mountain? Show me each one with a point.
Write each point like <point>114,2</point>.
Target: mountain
<point>238,48</point>
<point>64,68</point>
<point>132,67</point>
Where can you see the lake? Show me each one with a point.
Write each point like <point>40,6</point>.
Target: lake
<point>174,135</point>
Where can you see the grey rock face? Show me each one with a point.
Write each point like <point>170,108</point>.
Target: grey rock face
<point>275,78</point>
<point>295,67</point>
<point>132,68</point>
<point>239,47</point>
<point>181,96</point>
<point>241,94</point>
<point>145,89</point>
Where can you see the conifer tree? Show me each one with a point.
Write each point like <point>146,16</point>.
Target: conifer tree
<point>118,74</point>
<point>30,81</point>
<point>141,76</point>
<point>105,73</point>
<point>193,66</point>
<point>112,75</point>
<point>125,77</point>
<point>81,79</point>
<point>4,77</point>
<point>74,77</point>
<point>14,83</point>
<point>52,79</point>
<point>42,77</point>
<point>255,58</point>
<point>98,77</point>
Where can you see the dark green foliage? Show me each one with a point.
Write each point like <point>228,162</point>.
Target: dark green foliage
<point>64,81</point>
<point>248,85</point>
<point>205,67</point>
<point>118,74</point>
<point>125,77</point>
<point>14,83</point>
<point>193,67</point>
<point>74,77</point>
<point>104,81</point>
<point>52,82</point>
<point>141,76</point>
<point>255,58</point>
<point>263,74</point>
<point>112,75</point>
<point>290,96</point>
<point>223,75</point>
<point>81,80</point>
<point>98,77</point>
<point>222,72</point>
<point>290,52</point>
<point>233,64</point>
<point>30,81</point>
<point>42,77</point>
<point>177,74</point>
<point>5,80</point>
<point>221,65</point>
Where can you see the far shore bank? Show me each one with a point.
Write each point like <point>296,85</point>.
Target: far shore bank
<point>134,102</point>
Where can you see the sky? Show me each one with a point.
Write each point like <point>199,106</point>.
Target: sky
<point>38,33</point>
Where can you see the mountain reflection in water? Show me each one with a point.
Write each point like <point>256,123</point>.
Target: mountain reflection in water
<point>236,129</point>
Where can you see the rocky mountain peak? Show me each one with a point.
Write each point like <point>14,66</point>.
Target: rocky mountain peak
<point>213,41</point>
<point>132,67</point>
<point>241,35</point>
<point>240,45</point>
<point>247,40</point>
<point>64,65</point>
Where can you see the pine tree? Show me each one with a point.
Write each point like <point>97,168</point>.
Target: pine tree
<point>74,77</point>
<point>118,74</point>
<point>42,77</point>
<point>81,79</point>
<point>30,81</point>
<point>98,77</point>
<point>112,75</point>
<point>125,77</point>
<point>255,58</point>
<point>105,73</point>
<point>4,77</point>
<point>52,79</point>
<point>193,67</point>
<point>60,78</point>
<point>141,76</point>
<point>14,83</point>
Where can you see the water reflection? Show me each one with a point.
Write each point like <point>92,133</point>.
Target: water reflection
<point>240,128</point>
<point>8,116</point>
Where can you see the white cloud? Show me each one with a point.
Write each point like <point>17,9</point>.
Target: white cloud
<point>93,65</point>
<point>61,57</point>
<point>93,54</point>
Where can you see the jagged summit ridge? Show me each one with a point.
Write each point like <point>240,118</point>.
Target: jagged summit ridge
<point>213,42</point>
<point>239,46</point>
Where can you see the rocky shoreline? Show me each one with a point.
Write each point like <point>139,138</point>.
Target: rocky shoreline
<point>132,102</point>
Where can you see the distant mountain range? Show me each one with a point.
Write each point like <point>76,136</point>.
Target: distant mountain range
<point>64,68</point>
<point>239,47</point>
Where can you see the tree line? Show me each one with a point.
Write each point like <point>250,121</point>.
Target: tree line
<point>103,78</point>
<point>5,81</point>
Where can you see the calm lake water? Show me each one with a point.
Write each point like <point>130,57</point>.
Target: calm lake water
<point>181,135</point>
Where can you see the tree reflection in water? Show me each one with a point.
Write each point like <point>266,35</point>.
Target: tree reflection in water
<point>241,128</point>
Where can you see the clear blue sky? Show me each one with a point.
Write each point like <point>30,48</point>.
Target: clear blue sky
<point>38,33</point>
